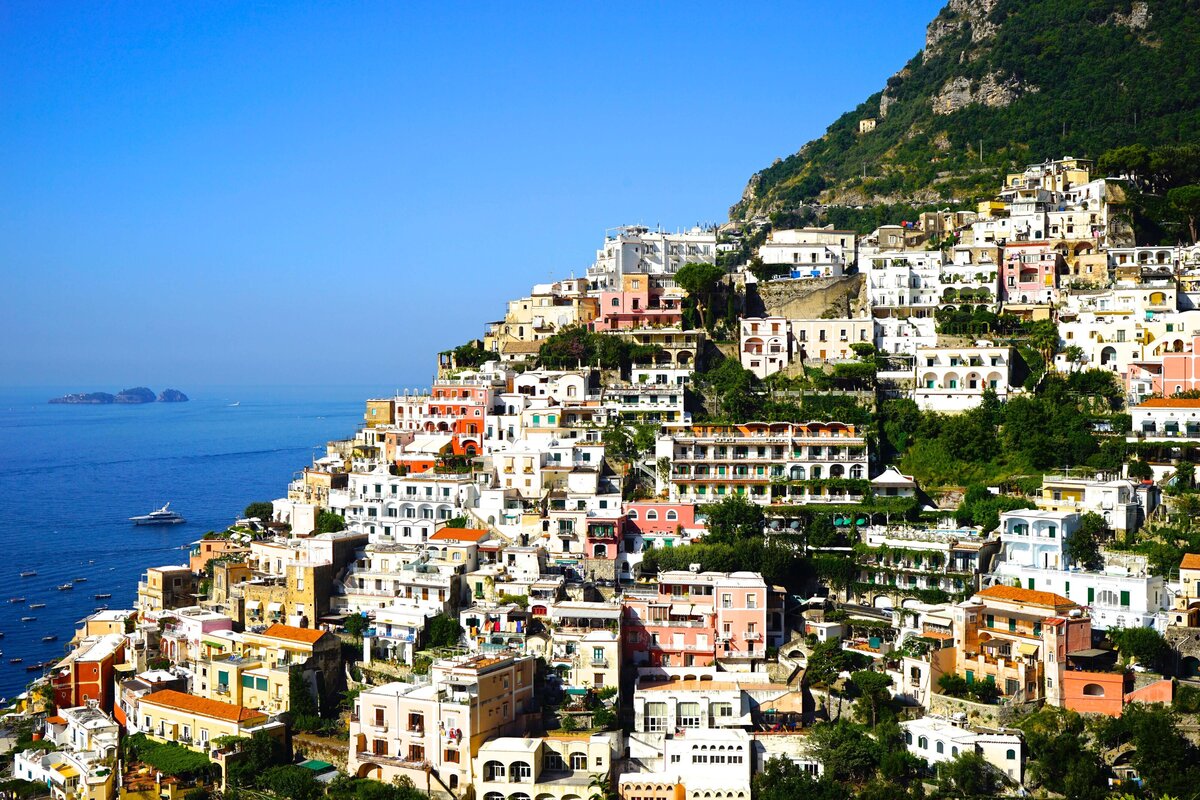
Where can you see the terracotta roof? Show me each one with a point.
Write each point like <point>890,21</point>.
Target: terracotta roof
<point>169,698</point>
<point>1031,596</point>
<point>1168,402</point>
<point>1190,561</point>
<point>306,635</point>
<point>56,720</point>
<point>460,534</point>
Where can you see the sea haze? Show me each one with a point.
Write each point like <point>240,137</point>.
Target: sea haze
<point>73,475</point>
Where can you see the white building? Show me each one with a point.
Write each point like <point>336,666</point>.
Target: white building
<point>1123,594</point>
<point>635,249</point>
<point>811,252</point>
<point>904,279</point>
<point>939,740</point>
<point>952,379</point>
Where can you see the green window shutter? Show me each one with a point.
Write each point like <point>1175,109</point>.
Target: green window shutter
<point>1091,595</point>
<point>970,676</point>
<point>1030,583</point>
<point>247,681</point>
<point>1124,599</point>
<point>223,677</point>
<point>991,621</point>
<point>1012,624</point>
<point>260,684</point>
<point>1067,590</point>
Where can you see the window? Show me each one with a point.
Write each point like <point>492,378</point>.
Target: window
<point>689,715</point>
<point>672,515</point>
<point>727,600</point>
<point>579,760</point>
<point>751,601</point>
<point>1011,755</point>
<point>923,743</point>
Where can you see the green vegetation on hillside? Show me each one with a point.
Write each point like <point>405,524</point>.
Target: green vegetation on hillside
<point>1087,82</point>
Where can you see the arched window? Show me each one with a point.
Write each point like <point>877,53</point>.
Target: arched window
<point>492,771</point>
<point>672,515</point>
<point>519,771</point>
<point>601,551</point>
<point>578,761</point>
<point>651,515</point>
<point>908,737</point>
<point>1011,755</point>
<point>856,472</point>
<point>632,513</point>
<point>939,747</point>
<point>923,743</point>
<point>1093,690</point>
<point>954,751</point>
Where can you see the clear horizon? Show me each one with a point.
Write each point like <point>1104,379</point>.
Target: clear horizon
<point>304,195</point>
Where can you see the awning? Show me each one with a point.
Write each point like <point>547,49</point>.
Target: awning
<point>681,609</point>
<point>1028,649</point>
<point>274,608</point>
<point>253,605</point>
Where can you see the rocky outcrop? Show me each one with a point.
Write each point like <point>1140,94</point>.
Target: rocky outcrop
<point>957,15</point>
<point>135,396</point>
<point>1136,20</point>
<point>84,399</point>
<point>993,91</point>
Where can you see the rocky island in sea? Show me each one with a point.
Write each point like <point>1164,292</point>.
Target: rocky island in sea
<point>134,396</point>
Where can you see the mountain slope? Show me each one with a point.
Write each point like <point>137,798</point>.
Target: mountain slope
<point>1027,79</point>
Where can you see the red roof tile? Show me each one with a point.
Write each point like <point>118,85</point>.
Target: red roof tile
<point>1033,597</point>
<point>305,635</point>
<point>169,698</point>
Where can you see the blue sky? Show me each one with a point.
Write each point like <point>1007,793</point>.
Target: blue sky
<point>294,193</point>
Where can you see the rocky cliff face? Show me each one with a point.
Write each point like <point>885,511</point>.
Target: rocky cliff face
<point>972,15</point>
<point>994,91</point>
<point>172,396</point>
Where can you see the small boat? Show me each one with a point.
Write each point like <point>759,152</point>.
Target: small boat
<point>36,605</point>
<point>28,619</point>
<point>33,667</point>
<point>15,660</point>
<point>16,599</point>
<point>51,638</point>
<point>66,587</point>
<point>235,404</point>
<point>79,580</point>
<point>102,596</point>
<point>160,516</point>
<point>29,574</point>
<point>100,608</point>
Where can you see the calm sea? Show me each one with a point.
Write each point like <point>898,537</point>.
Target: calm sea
<point>71,476</point>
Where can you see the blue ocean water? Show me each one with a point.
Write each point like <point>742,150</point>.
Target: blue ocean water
<point>71,476</point>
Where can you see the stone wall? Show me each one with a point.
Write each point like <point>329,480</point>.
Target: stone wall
<point>809,298</point>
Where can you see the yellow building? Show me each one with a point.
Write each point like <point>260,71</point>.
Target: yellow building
<point>194,722</point>
<point>165,588</point>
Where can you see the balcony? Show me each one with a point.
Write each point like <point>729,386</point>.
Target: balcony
<point>599,662</point>
<point>752,636</point>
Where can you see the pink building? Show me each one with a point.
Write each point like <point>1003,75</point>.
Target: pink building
<point>1030,273</point>
<point>697,618</point>
<point>650,518</point>
<point>1178,372</point>
<point>641,302</point>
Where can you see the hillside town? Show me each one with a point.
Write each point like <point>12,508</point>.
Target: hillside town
<point>736,512</point>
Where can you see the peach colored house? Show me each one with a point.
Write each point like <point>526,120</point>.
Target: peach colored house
<point>694,619</point>
<point>1180,370</point>
<point>641,302</point>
